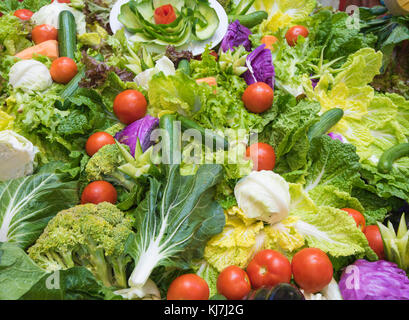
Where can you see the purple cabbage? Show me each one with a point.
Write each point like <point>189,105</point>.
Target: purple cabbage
<point>379,280</point>
<point>141,129</point>
<point>335,136</point>
<point>314,82</point>
<point>236,36</point>
<point>260,67</point>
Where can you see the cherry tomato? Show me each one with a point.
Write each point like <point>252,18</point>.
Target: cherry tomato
<point>96,141</point>
<point>23,14</point>
<point>129,106</point>
<point>43,33</point>
<point>263,156</point>
<point>99,191</point>
<point>188,287</point>
<point>164,14</point>
<point>234,283</point>
<point>258,97</point>
<point>269,268</point>
<point>312,269</point>
<point>358,217</point>
<point>374,237</point>
<point>63,69</point>
<point>294,32</point>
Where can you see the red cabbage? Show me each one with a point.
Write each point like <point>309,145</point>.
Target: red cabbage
<point>335,136</point>
<point>141,129</point>
<point>236,36</point>
<point>379,280</point>
<point>260,67</point>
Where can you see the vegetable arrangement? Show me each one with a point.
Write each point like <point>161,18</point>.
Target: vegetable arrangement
<point>272,166</point>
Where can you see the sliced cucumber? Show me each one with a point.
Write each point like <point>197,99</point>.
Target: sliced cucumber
<point>177,4</point>
<point>129,19</point>
<point>206,31</point>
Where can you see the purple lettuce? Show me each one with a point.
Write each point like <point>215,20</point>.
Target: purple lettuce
<point>379,280</point>
<point>260,67</point>
<point>141,129</point>
<point>314,82</point>
<point>236,36</point>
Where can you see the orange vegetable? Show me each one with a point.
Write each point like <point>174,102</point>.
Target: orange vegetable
<point>47,48</point>
<point>211,81</point>
<point>269,42</point>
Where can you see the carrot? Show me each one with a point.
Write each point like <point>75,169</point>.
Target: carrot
<point>47,48</point>
<point>211,81</point>
<point>269,42</point>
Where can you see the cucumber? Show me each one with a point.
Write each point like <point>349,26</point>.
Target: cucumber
<point>327,121</point>
<point>391,155</point>
<point>184,66</point>
<point>72,86</point>
<point>171,148</point>
<point>206,30</point>
<point>218,140</point>
<point>67,34</point>
<point>250,20</point>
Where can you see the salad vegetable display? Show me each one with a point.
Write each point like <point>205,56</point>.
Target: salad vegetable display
<point>271,165</point>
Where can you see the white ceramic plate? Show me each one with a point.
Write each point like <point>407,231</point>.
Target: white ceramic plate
<point>196,47</point>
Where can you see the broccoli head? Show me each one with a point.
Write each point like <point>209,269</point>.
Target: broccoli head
<point>104,165</point>
<point>87,235</point>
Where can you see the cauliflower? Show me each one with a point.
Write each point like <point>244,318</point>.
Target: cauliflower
<point>87,235</point>
<point>29,76</point>
<point>16,155</point>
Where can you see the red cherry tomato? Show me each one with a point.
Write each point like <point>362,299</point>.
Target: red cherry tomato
<point>358,217</point>
<point>263,156</point>
<point>63,69</point>
<point>43,33</point>
<point>374,237</point>
<point>129,106</point>
<point>269,268</point>
<point>99,191</point>
<point>234,283</point>
<point>294,32</point>
<point>188,287</point>
<point>164,14</point>
<point>23,14</point>
<point>312,269</point>
<point>258,97</point>
<point>96,141</point>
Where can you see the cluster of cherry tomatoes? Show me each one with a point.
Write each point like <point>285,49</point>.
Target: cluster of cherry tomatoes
<point>310,267</point>
<point>372,232</point>
<point>129,106</point>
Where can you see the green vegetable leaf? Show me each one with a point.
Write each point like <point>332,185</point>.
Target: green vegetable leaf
<point>28,203</point>
<point>332,162</point>
<point>175,221</point>
<point>18,273</point>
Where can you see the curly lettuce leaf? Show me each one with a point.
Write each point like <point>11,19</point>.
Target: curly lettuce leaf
<point>287,133</point>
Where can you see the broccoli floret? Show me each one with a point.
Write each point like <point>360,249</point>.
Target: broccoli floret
<point>115,128</point>
<point>87,235</point>
<point>104,166</point>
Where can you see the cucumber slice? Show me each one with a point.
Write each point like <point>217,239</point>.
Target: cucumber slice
<point>129,19</point>
<point>210,15</point>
